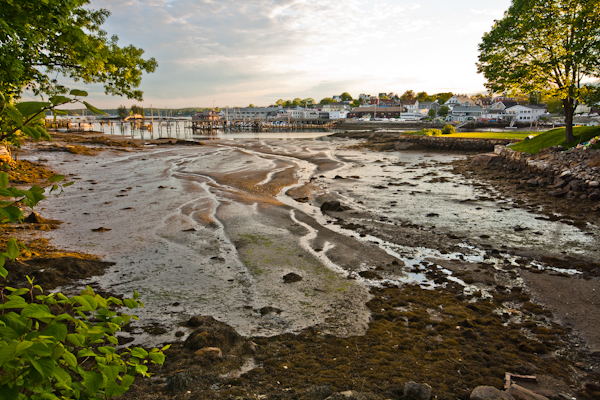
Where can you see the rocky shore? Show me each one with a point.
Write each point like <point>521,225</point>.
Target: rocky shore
<point>441,342</point>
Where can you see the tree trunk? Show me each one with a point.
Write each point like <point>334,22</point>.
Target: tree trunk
<point>569,111</point>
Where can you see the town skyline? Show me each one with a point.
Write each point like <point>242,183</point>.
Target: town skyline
<point>232,54</point>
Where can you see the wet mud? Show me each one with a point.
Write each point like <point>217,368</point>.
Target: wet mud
<point>425,273</point>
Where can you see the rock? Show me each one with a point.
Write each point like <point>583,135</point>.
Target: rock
<point>489,393</point>
<point>291,278</point>
<point>430,215</point>
<point>595,195</point>
<point>558,193</point>
<point>369,275</point>
<point>532,182</point>
<point>594,184</point>
<point>560,183</point>
<point>332,206</point>
<point>417,391</point>
<point>211,333</point>
<point>209,352</point>
<point>179,382</point>
<point>486,160</point>
<point>520,393</point>
<point>269,310</point>
<point>575,185</point>
<point>5,157</point>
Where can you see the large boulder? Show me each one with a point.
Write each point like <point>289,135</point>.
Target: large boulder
<point>520,393</point>
<point>211,333</point>
<point>332,206</point>
<point>487,159</point>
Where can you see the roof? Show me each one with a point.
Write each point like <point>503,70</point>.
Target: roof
<point>379,109</point>
<point>467,109</point>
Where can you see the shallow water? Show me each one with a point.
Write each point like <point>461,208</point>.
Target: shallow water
<point>190,232</point>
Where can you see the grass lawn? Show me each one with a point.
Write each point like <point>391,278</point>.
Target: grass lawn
<point>493,135</point>
<point>556,137</point>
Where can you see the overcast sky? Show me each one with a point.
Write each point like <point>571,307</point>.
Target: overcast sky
<point>236,52</point>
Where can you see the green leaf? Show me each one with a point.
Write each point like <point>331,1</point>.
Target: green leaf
<point>93,381</point>
<point>15,115</point>
<point>94,109</point>
<point>12,249</point>
<point>139,352</point>
<point>63,378</point>
<point>131,304</point>
<point>31,132</point>
<point>70,358</point>
<point>86,353</point>
<point>3,180</point>
<point>3,271</point>
<point>157,358</point>
<point>12,213</point>
<point>31,107</point>
<point>22,346</point>
<point>77,92</point>
<point>58,100</point>
<point>38,311</point>
<point>14,303</point>
<point>84,303</point>
<point>7,332</point>
<point>45,366</point>
<point>56,178</point>
<point>9,393</point>
<point>77,339</point>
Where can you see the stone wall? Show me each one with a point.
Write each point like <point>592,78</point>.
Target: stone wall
<point>573,174</point>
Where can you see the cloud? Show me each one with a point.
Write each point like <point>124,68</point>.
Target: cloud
<point>232,49</point>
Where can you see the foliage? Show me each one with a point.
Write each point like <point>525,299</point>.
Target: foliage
<point>43,39</point>
<point>423,96</point>
<point>54,346</point>
<point>442,97</point>
<point>408,95</point>
<point>307,102</point>
<point>356,103</point>
<point>122,111</point>
<point>326,100</point>
<point>555,106</point>
<point>448,129</point>
<point>431,112</point>
<point>556,137</point>
<point>544,45</point>
<point>26,119</point>
<point>135,109</point>
<point>432,132</point>
<point>346,96</point>
<point>443,111</point>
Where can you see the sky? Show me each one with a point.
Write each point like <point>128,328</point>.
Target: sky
<point>234,53</point>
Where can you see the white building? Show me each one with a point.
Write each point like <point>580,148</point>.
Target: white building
<point>338,114</point>
<point>525,113</point>
<point>248,113</point>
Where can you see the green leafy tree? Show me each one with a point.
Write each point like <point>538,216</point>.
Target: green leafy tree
<point>307,102</point>
<point>279,102</point>
<point>326,100</point>
<point>442,97</point>
<point>297,101</point>
<point>356,103</point>
<point>443,111</point>
<point>346,96</point>
<point>251,105</point>
<point>288,103</point>
<point>423,96</point>
<point>135,109</point>
<point>122,111</point>
<point>41,39</point>
<point>431,112</point>
<point>408,95</point>
<point>544,45</point>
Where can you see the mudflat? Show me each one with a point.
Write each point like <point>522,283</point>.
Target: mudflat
<point>340,268</point>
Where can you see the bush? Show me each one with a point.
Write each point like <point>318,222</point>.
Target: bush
<point>448,129</point>
<point>432,132</point>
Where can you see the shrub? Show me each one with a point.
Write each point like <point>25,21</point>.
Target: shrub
<point>448,129</point>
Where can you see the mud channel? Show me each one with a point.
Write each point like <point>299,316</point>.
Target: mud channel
<point>420,273</point>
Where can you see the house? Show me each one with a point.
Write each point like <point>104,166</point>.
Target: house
<point>376,112</point>
<point>459,100</point>
<point>465,113</point>
<point>335,106</point>
<point>528,113</point>
<point>206,116</point>
<point>364,97</point>
<point>340,114</point>
<point>411,105</point>
<point>245,113</point>
<point>425,106</point>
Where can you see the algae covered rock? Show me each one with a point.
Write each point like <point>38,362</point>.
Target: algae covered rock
<point>417,391</point>
<point>489,393</point>
<point>211,333</point>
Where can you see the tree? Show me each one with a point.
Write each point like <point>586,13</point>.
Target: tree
<point>443,111</point>
<point>326,100</point>
<point>423,96</point>
<point>40,40</point>
<point>122,111</point>
<point>544,45</point>
<point>431,112</point>
<point>279,102</point>
<point>297,101</point>
<point>345,96</point>
<point>251,105</point>
<point>443,97</point>
<point>307,102</point>
<point>408,95</point>
<point>448,129</point>
<point>356,103</point>
<point>135,109</point>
